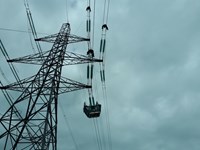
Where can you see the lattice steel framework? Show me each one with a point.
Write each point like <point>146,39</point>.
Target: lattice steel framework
<point>35,125</point>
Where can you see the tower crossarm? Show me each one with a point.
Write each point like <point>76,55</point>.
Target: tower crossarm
<point>70,58</point>
<point>71,38</point>
<point>74,58</point>
<point>19,86</point>
<point>37,58</point>
<point>66,85</point>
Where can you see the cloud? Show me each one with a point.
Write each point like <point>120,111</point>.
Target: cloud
<point>152,70</point>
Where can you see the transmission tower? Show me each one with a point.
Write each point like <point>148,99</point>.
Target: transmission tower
<point>31,120</point>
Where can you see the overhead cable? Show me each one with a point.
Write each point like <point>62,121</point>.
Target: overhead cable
<point>69,127</point>
<point>93,30</point>
<point>16,30</point>
<point>4,76</point>
<point>3,50</point>
<point>102,68</point>
<point>98,137</point>
<point>32,26</point>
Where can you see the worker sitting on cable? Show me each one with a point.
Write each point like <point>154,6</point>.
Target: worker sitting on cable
<point>104,26</point>
<point>90,53</point>
<point>88,8</point>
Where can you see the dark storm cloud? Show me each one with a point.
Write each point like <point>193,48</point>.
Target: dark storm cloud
<point>157,74</point>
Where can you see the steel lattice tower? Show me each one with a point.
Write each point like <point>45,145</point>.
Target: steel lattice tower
<point>36,126</point>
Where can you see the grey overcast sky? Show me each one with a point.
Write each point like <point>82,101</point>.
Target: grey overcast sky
<point>152,70</point>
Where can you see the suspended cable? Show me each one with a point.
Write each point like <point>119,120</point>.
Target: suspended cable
<point>88,24</point>
<point>32,26</point>
<point>97,123</point>
<point>108,7</point>
<point>103,79</point>
<point>102,69</point>
<point>88,2</point>
<point>3,50</point>
<point>104,140</point>
<point>98,137</point>
<point>90,110</point>
<point>102,129</point>
<point>107,119</point>
<point>90,69</point>
<point>93,27</point>
<point>30,38</point>
<point>4,76</point>
<point>13,30</point>
<point>21,31</point>
<point>7,96</point>
<point>67,15</point>
<point>69,127</point>
<point>104,10</point>
<point>102,73</point>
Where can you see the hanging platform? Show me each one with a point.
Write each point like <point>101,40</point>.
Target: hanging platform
<point>92,111</point>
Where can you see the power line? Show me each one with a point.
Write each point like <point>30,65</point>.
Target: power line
<point>21,31</point>
<point>93,30</point>
<point>98,137</point>
<point>67,11</point>
<point>69,127</point>
<point>102,69</point>
<point>3,75</point>
<point>3,50</point>
<point>108,7</point>
<point>30,38</point>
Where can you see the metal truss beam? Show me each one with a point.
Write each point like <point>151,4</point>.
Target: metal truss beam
<point>66,85</point>
<point>70,58</point>
<point>71,38</point>
<point>34,126</point>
